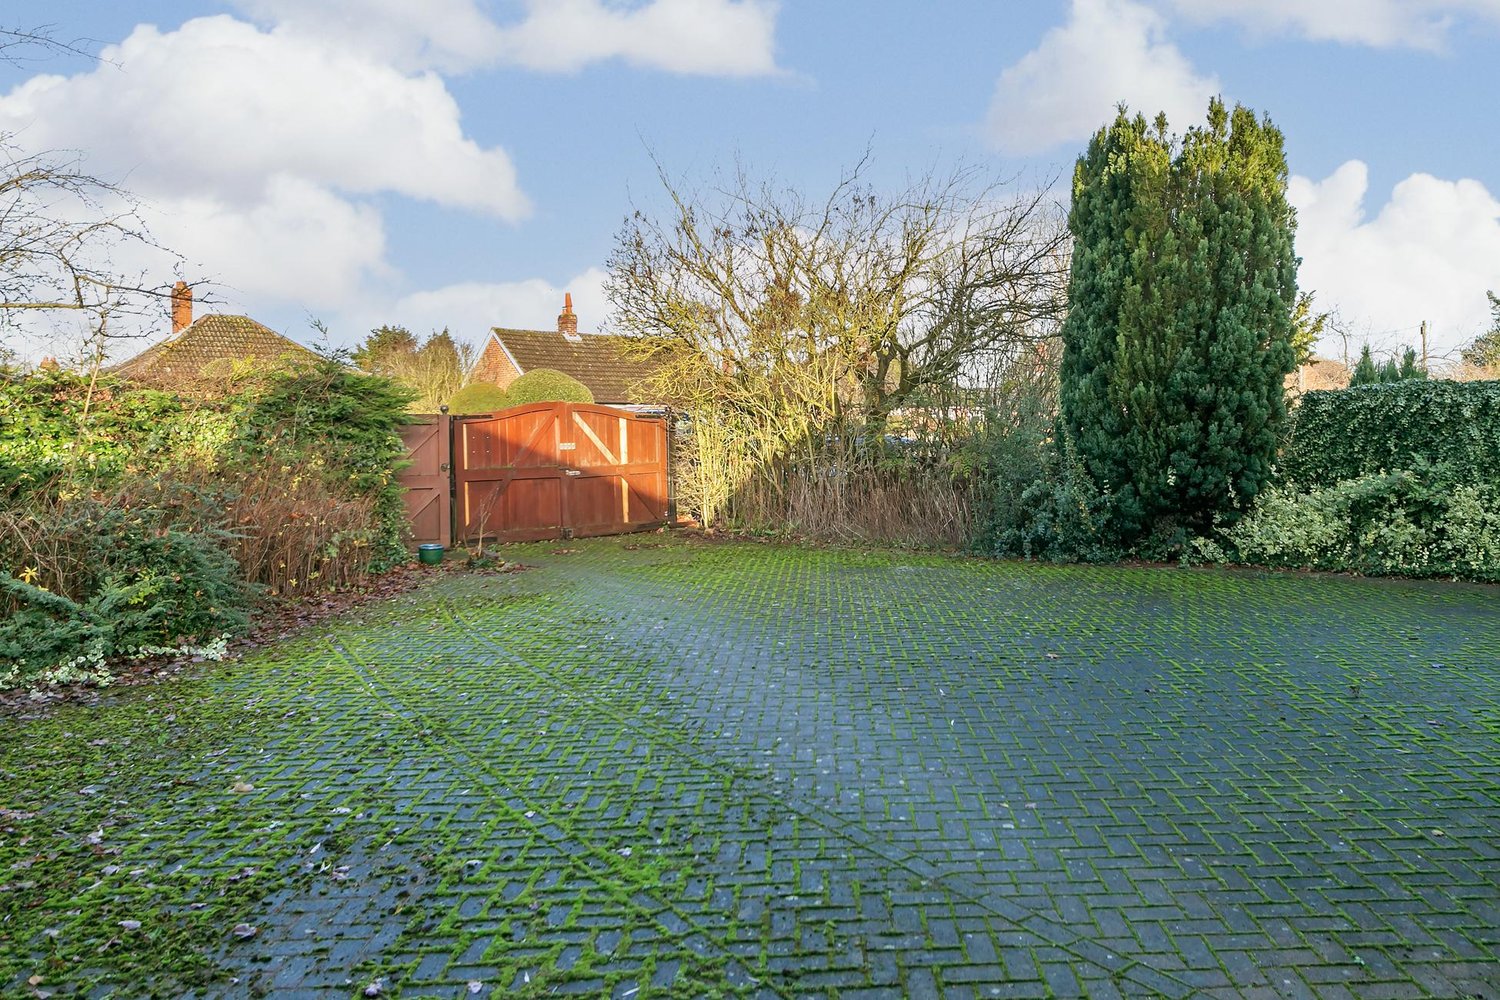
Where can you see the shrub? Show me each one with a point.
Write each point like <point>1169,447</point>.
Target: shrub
<point>1411,522</point>
<point>341,426</point>
<point>291,534</point>
<point>547,385</point>
<point>478,397</point>
<point>142,568</point>
<point>1345,434</point>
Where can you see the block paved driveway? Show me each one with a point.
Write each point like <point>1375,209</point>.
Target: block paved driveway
<point>648,767</point>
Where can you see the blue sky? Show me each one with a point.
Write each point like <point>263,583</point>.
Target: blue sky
<point>460,163</point>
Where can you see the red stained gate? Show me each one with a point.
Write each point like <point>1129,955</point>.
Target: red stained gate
<point>429,479</point>
<point>558,470</point>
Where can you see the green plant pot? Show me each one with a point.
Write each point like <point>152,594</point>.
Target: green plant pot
<point>430,554</point>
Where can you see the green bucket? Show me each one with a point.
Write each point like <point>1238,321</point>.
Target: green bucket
<point>430,554</point>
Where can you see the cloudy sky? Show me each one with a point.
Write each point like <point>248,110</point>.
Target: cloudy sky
<point>461,163</point>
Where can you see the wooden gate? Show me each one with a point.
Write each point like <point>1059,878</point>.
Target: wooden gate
<point>558,470</point>
<point>428,479</point>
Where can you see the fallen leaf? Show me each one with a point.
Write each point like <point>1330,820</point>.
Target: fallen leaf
<point>375,989</point>
<point>243,931</point>
<point>241,787</point>
<point>475,986</point>
<point>131,925</point>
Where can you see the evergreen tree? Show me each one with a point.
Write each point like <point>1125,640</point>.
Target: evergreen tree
<point>386,350</point>
<point>1179,334</point>
<point>1409,366</point>
<point>1389,370</point>
<point>1366,372</point>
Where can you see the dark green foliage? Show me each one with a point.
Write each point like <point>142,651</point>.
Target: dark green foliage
<point>547,385</point>
<point>1369,372</point>
<point>1180,327</point>
<point>149,568</point>
<point>1044,507</point>
<point>1347,434</point>
<point>1409,369</point>
<point>478,397</point>
<point>349,423</point>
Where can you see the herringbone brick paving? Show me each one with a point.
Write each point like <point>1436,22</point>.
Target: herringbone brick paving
<point>656,768</point>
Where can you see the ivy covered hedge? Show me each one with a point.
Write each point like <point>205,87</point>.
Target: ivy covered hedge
<point>1345,434</point>
<point>58,423</point>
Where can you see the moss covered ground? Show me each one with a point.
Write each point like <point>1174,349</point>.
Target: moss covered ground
<point>655,767</point>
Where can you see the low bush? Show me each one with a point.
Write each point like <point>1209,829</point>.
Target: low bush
<point>547,385</point>
<point>1043,505</point>
<point>478,397</point>
<point>291,534</point>
<point>133,519</point>
<point>1421,522</point>
<point>143,568</point>
<point>340,427</point>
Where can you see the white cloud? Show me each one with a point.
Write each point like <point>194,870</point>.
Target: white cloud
<point>299,243</point>
<point>254,155</point>
<point>1429,254</point>
<point>219,107</point>
<point>1109,51</point>
<point>708,37</point>
<point>1381,23</point>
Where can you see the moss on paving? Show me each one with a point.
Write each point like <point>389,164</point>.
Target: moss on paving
<point>654,767</point>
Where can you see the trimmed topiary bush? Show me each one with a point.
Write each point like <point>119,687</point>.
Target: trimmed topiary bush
<point>547,385</point>
<point>478,397</point>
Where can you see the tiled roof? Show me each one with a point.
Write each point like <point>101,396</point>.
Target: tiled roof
<point>209,342</point>
<point>1319,373</point>
<point>606,364</point>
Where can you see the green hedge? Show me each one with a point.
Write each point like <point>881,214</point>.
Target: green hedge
<point>1344,434</point>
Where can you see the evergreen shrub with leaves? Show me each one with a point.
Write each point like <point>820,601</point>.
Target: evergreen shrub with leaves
<point>60,424</point>
<point>1421,521</point>
<point>142,568</point>
<point>478,397</point>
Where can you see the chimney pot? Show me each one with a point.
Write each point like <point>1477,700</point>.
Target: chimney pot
<point>182,307</point>
<point>567,321</point>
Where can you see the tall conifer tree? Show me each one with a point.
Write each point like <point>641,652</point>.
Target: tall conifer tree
<point>1178,339</point>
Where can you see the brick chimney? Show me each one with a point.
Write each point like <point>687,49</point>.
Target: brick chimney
<point>182,307</point>
<point>567,321</point>
<point>49,364</point>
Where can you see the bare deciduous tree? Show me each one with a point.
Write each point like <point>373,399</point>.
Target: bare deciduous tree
<point>795,325</point>
<point>61,229</point>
